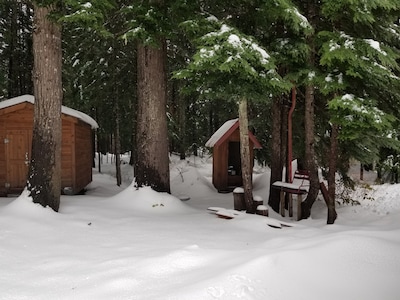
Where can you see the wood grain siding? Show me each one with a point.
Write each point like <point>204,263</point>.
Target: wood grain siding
<point>83,154</point>
<point>67,153</point>
<point>220,166</point>
<point>226,155</point>
<point>76,150</point>
<point>2,160</point>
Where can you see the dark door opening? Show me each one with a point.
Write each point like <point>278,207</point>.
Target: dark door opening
<point>234,162</point>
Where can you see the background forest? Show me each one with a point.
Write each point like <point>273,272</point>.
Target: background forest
<point>342,57</point>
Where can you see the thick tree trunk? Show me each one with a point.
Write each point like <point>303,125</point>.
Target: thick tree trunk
<point>152,165</point>
<point>310,163</point>
<point>245,156</point>
<point>276,152</point>
<point>44,180</point>
<point>333,156</point>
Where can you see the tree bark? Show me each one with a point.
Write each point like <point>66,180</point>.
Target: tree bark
<point>309,119</point>
<point>152,165</point>
<point>310,163</point>
<point>44,179</point>
<point>276,152</point>
<point>18,40</point>
<point>245,156</point>
<point>333,156</point>
<point>13,57</point>
<point>182,126</point>
<point>117,142</point>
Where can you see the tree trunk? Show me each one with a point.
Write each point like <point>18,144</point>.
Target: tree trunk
<point>182,126</point>
<point>13,57</point>
<point>152,165</point>
<point>98,148</point>
<point>18,49</point>
<point>117,142</point>
<point>44,180</point>
<point>309,123</point>
<point>245,157</point>
<point>276,152</point>
<point>310,163</point>
<point>333,156</point>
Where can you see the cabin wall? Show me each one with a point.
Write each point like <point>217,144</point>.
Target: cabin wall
<point>220,166</point>
<point>83,155</point>
<point>13,121</point>
<point>76,161</point>
<point>221,179</point>
<point>2,158</point>
<point>67,154</point>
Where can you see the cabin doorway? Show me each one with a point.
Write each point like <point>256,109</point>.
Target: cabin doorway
<point>234,165</point>
<point>234,161</point>
<point>17,152</point>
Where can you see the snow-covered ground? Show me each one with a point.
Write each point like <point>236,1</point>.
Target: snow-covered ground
<point>120,243</point>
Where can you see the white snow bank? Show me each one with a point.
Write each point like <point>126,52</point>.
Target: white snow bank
<point>147,201</point>
<point>24,207</point>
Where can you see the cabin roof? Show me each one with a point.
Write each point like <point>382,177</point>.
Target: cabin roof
<point>65,110</point>
<point>225,131</point>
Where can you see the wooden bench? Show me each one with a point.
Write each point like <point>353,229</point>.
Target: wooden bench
<point>299,186</point>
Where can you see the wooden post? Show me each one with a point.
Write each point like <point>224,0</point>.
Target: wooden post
<point>282,202</point>
<point>290,197</point>
<point>262,210</point>
<point>257,200</point>
<point>299,200</point>
<point>238,199</point>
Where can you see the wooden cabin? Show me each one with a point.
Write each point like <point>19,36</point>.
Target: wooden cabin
<point>16,126</point>
<point>226,155</point>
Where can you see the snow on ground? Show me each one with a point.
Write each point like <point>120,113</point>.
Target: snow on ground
<point>122,243</point>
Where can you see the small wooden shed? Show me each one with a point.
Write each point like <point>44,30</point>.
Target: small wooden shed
<point>16,126</point>
<point>226,155</point>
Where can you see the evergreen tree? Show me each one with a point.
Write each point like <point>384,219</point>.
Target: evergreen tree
<point>16,57</point>
<point>353,59</point>
<point>231,66</point>
<point>103,77</point>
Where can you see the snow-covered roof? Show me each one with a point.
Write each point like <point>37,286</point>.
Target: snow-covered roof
<point>225,131</point>
<point>220,132</point>
<point>65,110</point>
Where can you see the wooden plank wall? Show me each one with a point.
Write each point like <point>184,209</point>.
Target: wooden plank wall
<point>67,154</point>
<point>83,155</point>
<point>21,119</point>
<point>77,153</point>
<point>2,157</point>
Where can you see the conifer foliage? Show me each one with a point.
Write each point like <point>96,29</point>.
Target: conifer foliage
<point>138,56</point>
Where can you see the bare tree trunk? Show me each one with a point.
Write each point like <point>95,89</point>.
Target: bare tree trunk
<point>117,142</point>
<point>152,165</point>
<point>182,127</point>
<point>276,152</point>
<point>98,148</point>
<point>309,120</point>
<point>13,57</point>
<point>245,156</point>
<point>310,163</point>
<point>44,178</point>
<point>333,156</point>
